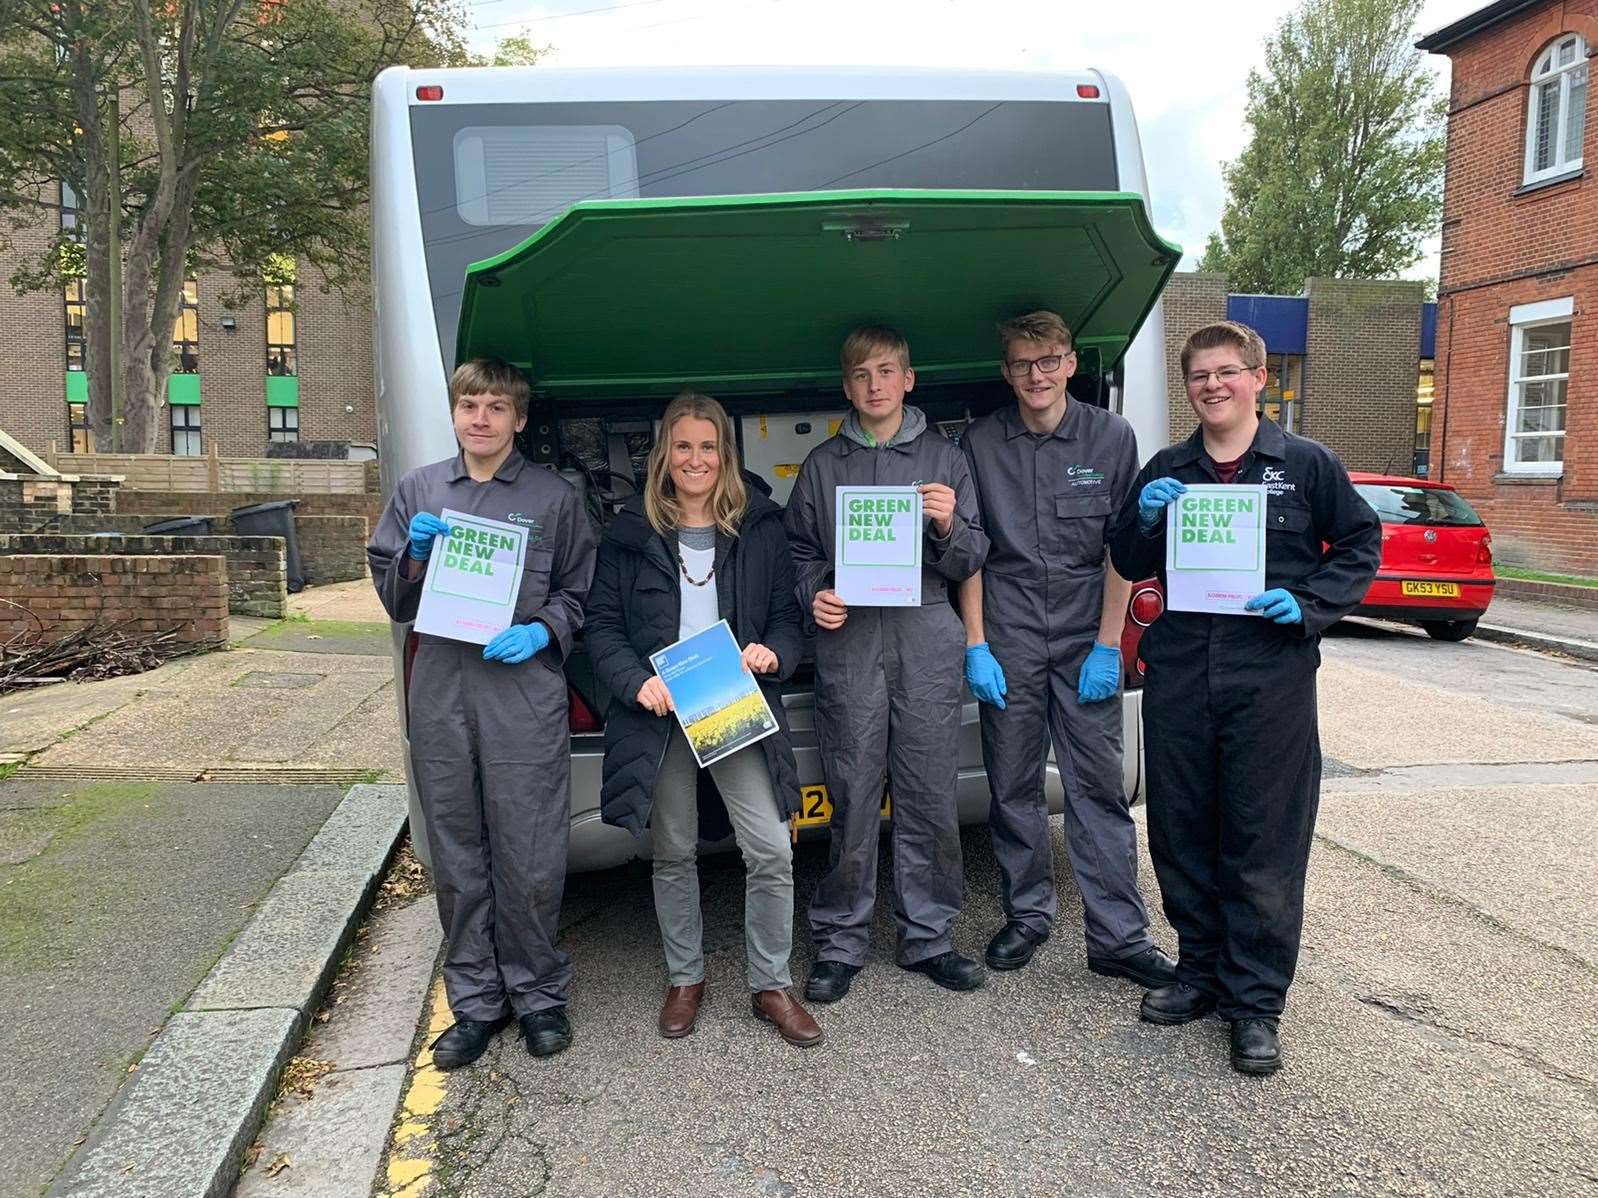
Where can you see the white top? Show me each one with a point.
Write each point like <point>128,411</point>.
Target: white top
<point>698,603</point>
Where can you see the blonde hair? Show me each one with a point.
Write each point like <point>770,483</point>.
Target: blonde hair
<point>868,340</point>
<point>1044,327</point>
<point>729,499</point>
<point>490,376</point>
<point>1249,345</point>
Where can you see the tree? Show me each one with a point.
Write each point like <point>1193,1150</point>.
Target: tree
<point>239,128</point>
<point>1342,175</point>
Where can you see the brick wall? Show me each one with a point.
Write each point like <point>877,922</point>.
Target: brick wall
<point>1504,246</point>
<point>1191,301</point>
<point>332,548</point>
<point>147,594</point>
<point>254,575</point>
<point>1361,367</point>
<point>29,502</point>
<point>33,353</point>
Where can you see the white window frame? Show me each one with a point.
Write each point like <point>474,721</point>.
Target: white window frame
<point>1548,74</point>
<point>1522,318</point>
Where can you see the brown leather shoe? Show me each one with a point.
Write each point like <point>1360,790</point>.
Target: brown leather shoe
<point>680,1010</point>
<point>793,1022</point>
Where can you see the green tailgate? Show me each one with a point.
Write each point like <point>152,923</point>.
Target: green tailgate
<point>755,293</point>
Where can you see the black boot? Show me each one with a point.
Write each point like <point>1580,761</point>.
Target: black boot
<point>1256,1046</point>
<point>829,980</point>
<point>547,1032</point>
<point>1150,968</point>
<point>467,1040</point>
<point>1012,946</point>
<point>1176,1003</point>
<point>951,971</point>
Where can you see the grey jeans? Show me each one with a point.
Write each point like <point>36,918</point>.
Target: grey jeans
<point>762,835</point>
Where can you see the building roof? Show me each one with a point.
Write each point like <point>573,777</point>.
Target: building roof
<point>1473,23</point>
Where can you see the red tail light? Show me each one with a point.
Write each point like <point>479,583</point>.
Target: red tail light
<point>1147,606</point>
<point>579,715</point>
<point>1484,551</point>
<point>430,91</point>
<point>1087,91</point>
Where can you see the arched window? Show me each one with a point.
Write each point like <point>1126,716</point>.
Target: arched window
<point>1556,118</point>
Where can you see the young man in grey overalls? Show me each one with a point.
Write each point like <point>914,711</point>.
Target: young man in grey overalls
<point>487,726</point>
<point>887,679</point>
<point>1043,628</point>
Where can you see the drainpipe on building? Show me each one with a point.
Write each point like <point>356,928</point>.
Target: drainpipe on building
<point>114,250</point>
<point>1448,381</point>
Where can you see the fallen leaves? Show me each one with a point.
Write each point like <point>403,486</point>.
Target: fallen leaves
<point>279,1163</point>
<point>301,1075</point>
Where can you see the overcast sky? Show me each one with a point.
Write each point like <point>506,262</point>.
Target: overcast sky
<point>1185,67</point>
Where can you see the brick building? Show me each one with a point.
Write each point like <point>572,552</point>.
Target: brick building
<point>1349,362</point>
<point>1516,424</point>
<point>294,363</point>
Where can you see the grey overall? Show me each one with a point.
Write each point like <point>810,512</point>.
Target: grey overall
<point>888,691</point>
<point>1045,503</point>
<point>489,752</point>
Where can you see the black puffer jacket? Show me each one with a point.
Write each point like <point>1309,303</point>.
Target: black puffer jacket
<point>635,608</point>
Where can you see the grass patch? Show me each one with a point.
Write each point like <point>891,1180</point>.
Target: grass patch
<point>7,768</point>
<point>1524,575</point>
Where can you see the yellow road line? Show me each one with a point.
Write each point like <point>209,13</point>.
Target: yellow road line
<point>410,1176</point>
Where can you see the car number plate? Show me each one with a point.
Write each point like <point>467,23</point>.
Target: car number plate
<point>815,807</point>
<point>1440,590</point>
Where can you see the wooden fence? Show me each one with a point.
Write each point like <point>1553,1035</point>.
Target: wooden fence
<point>166,472</point>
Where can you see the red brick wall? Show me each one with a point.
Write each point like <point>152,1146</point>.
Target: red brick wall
<point>1501,249</point>
<point>148,594</point>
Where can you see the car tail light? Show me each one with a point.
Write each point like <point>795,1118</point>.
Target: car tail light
<point>430,91</point>
<point>1087,91</point>
<point>1484,551</point>
<point>579,715</point>
<point>1146,606</point>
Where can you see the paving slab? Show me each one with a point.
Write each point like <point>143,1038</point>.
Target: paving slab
<point>204,718</point>
<point>325,1139</point>
<point>374,1022</point>
<point>360,834</point>
<point>179,1130</point>
<point>353,600</point>
<point>131,894</point>
<point>326,636</point>
<point>32,721</point>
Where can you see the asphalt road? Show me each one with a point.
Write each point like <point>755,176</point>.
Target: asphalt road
<point>1439,1039</point>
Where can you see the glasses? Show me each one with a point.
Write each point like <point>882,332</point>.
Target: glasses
<point>1019,368</point>
<point>1226,374</point>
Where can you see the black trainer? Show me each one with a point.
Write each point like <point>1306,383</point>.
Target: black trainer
<point>1256,1046</point>
<point>951,971</point>
<point>1012,946</point>
<point>467,1040</point>
<point>547,1032</point>
<point>829,980</point>
<point>1176,1003</point>
<point>1150,968</point>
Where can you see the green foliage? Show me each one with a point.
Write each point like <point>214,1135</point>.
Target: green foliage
<point>1342,176</point>
<point>517,50</point>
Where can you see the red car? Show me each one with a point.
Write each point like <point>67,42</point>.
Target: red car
<point>1437,556</point>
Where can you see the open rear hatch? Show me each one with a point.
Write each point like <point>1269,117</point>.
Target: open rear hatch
<point>754,294</point>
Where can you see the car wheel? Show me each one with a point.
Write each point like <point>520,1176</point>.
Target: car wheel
<point>1448,630</point>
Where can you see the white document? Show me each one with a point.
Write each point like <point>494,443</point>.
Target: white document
<point>1215,548</point>
<point>719,705</point>
<point>878,546</point>
<point>473,578</point>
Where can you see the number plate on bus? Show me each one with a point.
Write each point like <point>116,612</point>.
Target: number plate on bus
<point>815,807</point>
<point>1439,590</point>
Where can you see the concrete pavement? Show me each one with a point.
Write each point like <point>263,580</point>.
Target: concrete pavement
<point>124,882</point>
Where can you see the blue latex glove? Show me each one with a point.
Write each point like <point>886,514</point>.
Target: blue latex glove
<point>1153,499</point>
<point>517,643</point>
<point>1277,605</point>
<point>1100,675</point>
<point>983,675</point>
<point>424,527</point>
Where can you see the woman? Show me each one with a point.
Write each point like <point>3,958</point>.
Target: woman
<point>701,544</point>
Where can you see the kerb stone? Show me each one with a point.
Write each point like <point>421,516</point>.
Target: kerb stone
<point>182,1127</point>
